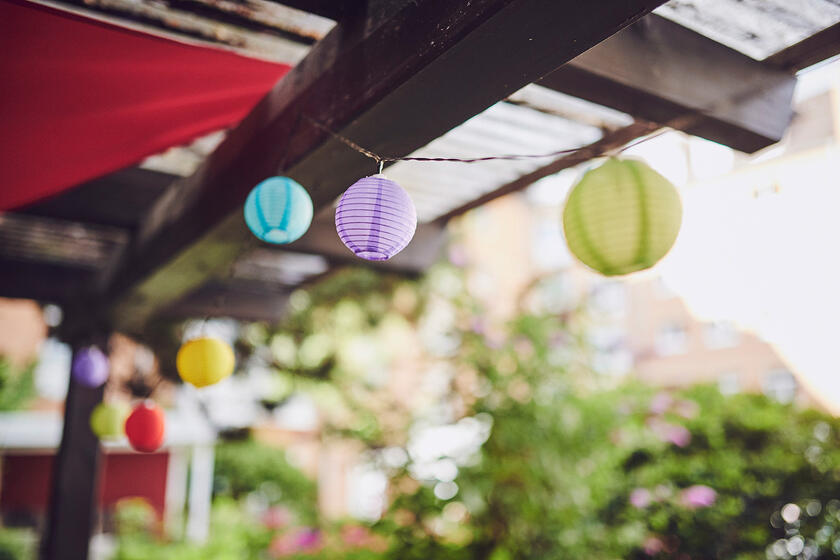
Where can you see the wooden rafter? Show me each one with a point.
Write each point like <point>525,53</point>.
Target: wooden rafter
<point>660,71</point>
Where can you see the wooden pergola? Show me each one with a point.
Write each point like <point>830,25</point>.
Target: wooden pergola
<point>393,75</point>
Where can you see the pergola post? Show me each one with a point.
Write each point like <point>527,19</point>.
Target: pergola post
<point>75,475</point>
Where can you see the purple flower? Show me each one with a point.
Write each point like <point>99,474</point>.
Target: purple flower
<point>640,498</point>
<point>698,496</point>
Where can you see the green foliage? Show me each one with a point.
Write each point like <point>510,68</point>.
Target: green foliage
<point>234,536</point>
<point>247,466</point>
<point>17,544</point>
<point>17,386</point>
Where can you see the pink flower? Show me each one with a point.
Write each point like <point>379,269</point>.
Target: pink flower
<point>301,541</point>
<point>678,435</point>
<point>698,496</point>
<point>458,256</point>
<point>640,498</point>
<point>653,546</point>
<point>276,517</point>
<point>671,433</point>
<point>688,409</point>
<point>355,535</point>
<point>661,403</point>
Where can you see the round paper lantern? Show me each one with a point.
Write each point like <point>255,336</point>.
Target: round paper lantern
<point>90,367</point>
<point>375,218</point>
<point>144,427</point>
<point>205,361</point>
<point>621,217</point>
<point>278,210</point>
<point>108,420</point>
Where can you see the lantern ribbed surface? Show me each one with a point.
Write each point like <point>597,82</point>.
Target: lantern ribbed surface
<point>278,210</point>
<point>622,217</point>
<point>375,218</point>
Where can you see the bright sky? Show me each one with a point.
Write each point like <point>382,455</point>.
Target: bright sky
<point>758,244</point>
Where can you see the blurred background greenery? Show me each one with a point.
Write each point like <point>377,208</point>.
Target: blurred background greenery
<point>555,463</point>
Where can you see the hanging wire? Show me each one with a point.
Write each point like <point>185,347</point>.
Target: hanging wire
<point>381,160</point>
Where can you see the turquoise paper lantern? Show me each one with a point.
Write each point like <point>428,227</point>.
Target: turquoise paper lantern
<point>278,210</point>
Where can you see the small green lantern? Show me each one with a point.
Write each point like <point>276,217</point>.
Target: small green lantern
<point>108,420</point>
<point>621,217</point>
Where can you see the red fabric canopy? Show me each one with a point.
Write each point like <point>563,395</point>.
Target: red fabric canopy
<point>80,98</point>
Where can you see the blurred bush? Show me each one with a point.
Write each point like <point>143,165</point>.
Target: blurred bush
<point>17,544</point>
<point>17,385</point>
<point>248,466</point>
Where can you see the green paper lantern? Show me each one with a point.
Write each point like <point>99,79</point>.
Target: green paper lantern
<point>621,217</point>
<point>108,420</point>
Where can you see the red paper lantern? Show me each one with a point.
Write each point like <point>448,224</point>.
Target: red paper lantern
<point>145,426</point>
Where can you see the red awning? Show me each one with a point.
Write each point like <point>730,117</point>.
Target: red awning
<point>80,98</point>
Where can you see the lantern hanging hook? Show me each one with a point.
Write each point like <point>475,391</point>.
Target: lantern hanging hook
<point>381,165</point>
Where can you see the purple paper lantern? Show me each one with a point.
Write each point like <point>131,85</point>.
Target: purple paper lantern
<point>90,367</point>
<point>375,218</point>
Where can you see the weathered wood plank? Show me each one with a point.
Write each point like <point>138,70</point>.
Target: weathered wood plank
<point>660,71</point>
<point>816,48</point>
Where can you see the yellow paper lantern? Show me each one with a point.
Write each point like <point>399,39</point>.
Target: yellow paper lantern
<point>621,217</point>
<point>108,420</point>
<point>205,361</point>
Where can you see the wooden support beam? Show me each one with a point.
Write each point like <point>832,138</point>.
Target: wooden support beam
<point>332,9</point>
<point>610,141</point>
<point>660,71</point>
<point>75,477</point>
<point>393,77</point>
<point>816,48</point>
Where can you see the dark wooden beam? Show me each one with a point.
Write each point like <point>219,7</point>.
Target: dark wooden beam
<point>610,141</point>
<point>120,199</point>
<point>239,299</point>
<point>75,477</point>
<point>660,71</point>
<point>393,77</point>
<point>335,10</point>
<point>816,48</point>
<point>48,282</point>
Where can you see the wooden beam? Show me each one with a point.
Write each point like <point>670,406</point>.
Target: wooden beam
<point>331,9</point>
<point>610,141</point>
<point>812,50</point>
<point>393,77</point>
<point>75,477</point>
<point>660,71</point>
<point>239,299</point>
<point>120,199</point>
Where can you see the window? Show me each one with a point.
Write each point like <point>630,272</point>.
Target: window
<point>779,384</point>
<point>721,334</point>
<point>671,339</point>
<point>729,383</point>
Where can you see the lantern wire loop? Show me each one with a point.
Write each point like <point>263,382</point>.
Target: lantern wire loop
<point>381,160</point>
